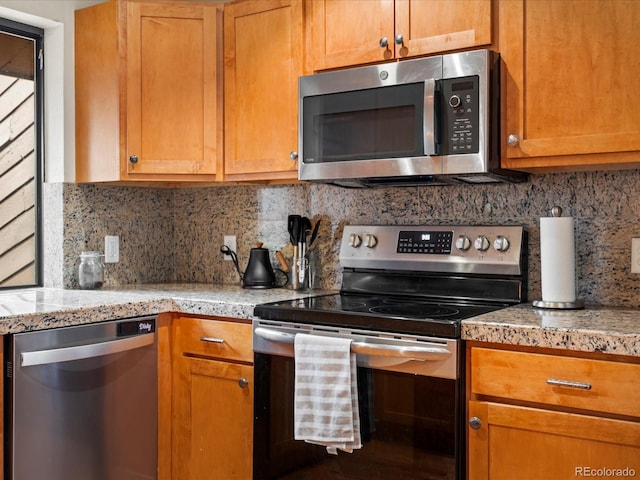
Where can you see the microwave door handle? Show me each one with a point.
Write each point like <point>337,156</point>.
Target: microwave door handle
<point>429,117</point>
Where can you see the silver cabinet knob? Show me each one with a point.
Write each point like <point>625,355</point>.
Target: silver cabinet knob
<point>293,155</point>
<point>501,244</point>
<point>370,240</point>
<point>475,423</point>
<point>482,243</point>
<point>355,240</point>
<point>384,42</point>
<point>463,243</point>
<point>513,140</point>
<point>243,383</point>
<point>133,159</point>
<point>399,39</point>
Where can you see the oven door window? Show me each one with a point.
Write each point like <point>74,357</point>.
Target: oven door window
<point>384,122</point>
<point>408,428</point>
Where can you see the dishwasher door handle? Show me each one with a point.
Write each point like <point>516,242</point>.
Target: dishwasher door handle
<point>79,352</point>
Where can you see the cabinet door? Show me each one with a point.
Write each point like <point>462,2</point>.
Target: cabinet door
<point>441,25</point>
<point>213,420</point>
<point>263,59</point>
<point>349,32</point>
<point>569,82</point>
<point>173,124</point>
<point>530,444</point>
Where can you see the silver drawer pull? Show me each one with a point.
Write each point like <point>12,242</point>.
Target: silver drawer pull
<point>567,383</point>
<point>212,340</point>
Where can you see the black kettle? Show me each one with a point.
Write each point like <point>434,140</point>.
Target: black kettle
<point>259,272</point>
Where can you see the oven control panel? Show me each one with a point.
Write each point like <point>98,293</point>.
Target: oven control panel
<point>424,242</point>
<point>493,249</point>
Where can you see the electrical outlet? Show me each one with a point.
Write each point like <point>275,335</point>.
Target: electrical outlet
<point>230,241</point>
<point>111,249</point>
<point>635,255</point>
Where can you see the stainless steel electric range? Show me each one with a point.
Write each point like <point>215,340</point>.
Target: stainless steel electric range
<point>405,291</point>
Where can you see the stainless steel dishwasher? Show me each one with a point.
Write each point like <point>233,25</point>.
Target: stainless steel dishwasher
<point>82,402</point>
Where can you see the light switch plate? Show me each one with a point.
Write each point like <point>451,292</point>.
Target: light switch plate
<point>635,255</point>
<point>230,241</point>
<point>111,249</point>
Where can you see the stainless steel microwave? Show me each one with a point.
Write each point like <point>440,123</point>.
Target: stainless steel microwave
<point>430,120</point>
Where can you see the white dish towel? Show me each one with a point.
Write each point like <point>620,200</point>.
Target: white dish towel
<point>326,393</point>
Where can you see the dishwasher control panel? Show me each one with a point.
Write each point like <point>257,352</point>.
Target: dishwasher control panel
<point>138,326</point>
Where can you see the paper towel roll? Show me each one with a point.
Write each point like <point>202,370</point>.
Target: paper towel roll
<point>557,259</point>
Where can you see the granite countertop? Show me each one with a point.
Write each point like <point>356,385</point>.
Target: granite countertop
<point>614,330</point>
<point>593,329</point>
<point>40,308</point>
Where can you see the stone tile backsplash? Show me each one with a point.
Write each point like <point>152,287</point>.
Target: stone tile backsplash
<point>143,218</point>
<point>174,235</point>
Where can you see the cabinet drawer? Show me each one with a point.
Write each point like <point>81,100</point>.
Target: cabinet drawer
<point>213,338</point>
<point>571,382</point>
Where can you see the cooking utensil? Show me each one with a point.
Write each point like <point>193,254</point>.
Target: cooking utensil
<point>314,233</point>
<point>293,226</point>
<point>305,225</point>
<point>282,261</point>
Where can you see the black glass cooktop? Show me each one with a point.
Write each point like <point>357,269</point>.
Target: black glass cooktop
<point>388,314</point>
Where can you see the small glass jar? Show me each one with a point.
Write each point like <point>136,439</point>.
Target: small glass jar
<point>91,270</point>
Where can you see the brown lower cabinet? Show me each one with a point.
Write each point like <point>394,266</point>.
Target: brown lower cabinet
<point>533,414</point>
<point>530,443</point>
<point>212,399</point>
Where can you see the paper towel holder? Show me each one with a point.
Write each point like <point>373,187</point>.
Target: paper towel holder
<point>574,305</point>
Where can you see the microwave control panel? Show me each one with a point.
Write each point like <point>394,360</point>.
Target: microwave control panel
<point>460,115</point>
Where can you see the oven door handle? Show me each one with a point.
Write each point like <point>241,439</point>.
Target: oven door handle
<point>363,348</point>
<point>392,351</point>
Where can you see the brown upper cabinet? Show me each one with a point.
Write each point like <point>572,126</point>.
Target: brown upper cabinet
<point>263,57</point>
<point>570,99</point>
<point>354,32</point>
<point>148,91</point>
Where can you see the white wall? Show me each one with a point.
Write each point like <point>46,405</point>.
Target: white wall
<point>56,18</point>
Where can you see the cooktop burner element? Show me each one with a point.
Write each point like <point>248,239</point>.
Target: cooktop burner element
<point>416,279</point>
<point>415,310</point>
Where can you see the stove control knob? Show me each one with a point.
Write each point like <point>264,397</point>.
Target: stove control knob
<point>463,243</point>
<point>482,243</point>
<point>355,240</point>
<point>370,240</point>
<point>501,244</point>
